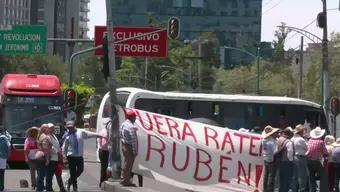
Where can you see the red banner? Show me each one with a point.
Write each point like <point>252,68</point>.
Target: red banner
<point>151,45</point>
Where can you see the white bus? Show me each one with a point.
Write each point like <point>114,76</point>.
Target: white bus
<point>232,111</point>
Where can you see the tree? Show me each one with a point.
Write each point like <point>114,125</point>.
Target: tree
<point>89,72</point>
<point>274,80</point>
<point>36,64</point>
<point>279,44</point>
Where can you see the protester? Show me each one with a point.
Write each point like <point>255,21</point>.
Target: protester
<point>336,160</point>
<point>269,144</point>
<point>43,156</point>
<point>285,155</point>
<point>30,149</point>
<point>103,143</point>
<point>73,149</point>
<point>300,160</point>
<point>329,140</point>
<point>315,153</point>
<point>128,137</point>
<point>55,158</point>
<point>5,143</point>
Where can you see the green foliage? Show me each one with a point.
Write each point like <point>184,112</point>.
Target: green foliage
<point>274,80</point>
<point>35,64</point>
<point>89,72</point>
<point>279,44</point>
<point>84,92</point>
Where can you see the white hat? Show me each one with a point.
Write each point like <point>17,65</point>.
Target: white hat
<point>243,130</point>
<point>317,133</point>
<point>69,123</point>
<point>50,125</point>
<point>268,131</point>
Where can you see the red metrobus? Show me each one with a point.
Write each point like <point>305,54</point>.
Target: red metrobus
<point>28,100</point>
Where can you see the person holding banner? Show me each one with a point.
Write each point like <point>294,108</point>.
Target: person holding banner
<point>269,144</point>
<point>128,137</point>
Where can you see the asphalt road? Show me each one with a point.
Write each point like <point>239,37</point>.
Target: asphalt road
<point>88,181</point>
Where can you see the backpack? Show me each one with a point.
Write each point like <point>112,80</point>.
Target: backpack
<point>281,155</point>
<point>5,147</point>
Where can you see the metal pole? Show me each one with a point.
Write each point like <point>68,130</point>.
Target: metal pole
<point>325,72</point>
<point>71,48</point>
<point>70,80</point>
<point>114,139</point>
<point>146,72</point>
<point>300,69</point>
<point>258,70</point>
<point>199,63</point>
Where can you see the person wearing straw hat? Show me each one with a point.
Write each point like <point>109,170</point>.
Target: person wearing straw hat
<point>285,159</point>
<point>30,149</point>
<point>300,159</point>
<point>316,151</point>
<point>269,144</point>
<point>336,160</point>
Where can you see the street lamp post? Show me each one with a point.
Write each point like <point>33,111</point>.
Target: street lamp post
<point>257,56</point>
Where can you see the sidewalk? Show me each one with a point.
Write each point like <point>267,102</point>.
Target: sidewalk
<point>115,186</point>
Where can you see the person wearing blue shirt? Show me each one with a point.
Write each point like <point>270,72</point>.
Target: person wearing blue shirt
<point>73,149</point>
<point>5,143</point>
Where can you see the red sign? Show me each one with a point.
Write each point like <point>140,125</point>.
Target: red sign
<point>151,45</point>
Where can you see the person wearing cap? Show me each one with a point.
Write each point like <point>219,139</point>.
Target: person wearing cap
<point>286,150</point>
<point>300,159</point>
<point>128,137</point>
<point>329,140</point>
<point>336,160</point>
<point>73,151</point>
<point>269,144</point>
<point>316,151</point>
<point>55,154</point>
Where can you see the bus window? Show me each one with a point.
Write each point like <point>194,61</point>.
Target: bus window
<point>107,109</point>
<point>216,109</point>
<point>190,108</point>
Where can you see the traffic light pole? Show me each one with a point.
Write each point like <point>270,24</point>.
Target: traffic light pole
<point>114,133</point>
<point>70,80</point>
<point>325,72</point>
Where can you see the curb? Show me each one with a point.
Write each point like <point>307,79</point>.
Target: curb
<point>115,186</point>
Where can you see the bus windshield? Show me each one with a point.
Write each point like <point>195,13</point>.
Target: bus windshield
<point>33,111</point>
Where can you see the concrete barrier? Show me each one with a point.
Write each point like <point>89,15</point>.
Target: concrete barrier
<point>115,186</point>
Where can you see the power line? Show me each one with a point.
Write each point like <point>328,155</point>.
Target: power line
<point>302,28</point>
<point>267,3</point>
<point>272,7</point>
<point>332,9</point>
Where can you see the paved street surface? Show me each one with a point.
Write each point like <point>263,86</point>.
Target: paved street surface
<point>88,181</point>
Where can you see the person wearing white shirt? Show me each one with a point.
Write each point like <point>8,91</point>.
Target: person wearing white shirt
<point>286,165</point>
<point>269,144</point>
<point>300,160</point>
<point>55,155</point>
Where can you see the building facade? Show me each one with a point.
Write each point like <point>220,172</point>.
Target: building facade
<point>63,18</point>
<point>14,12</point>
<point>236,23</point>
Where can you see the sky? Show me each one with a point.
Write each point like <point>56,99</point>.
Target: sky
<point>295,13</point>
